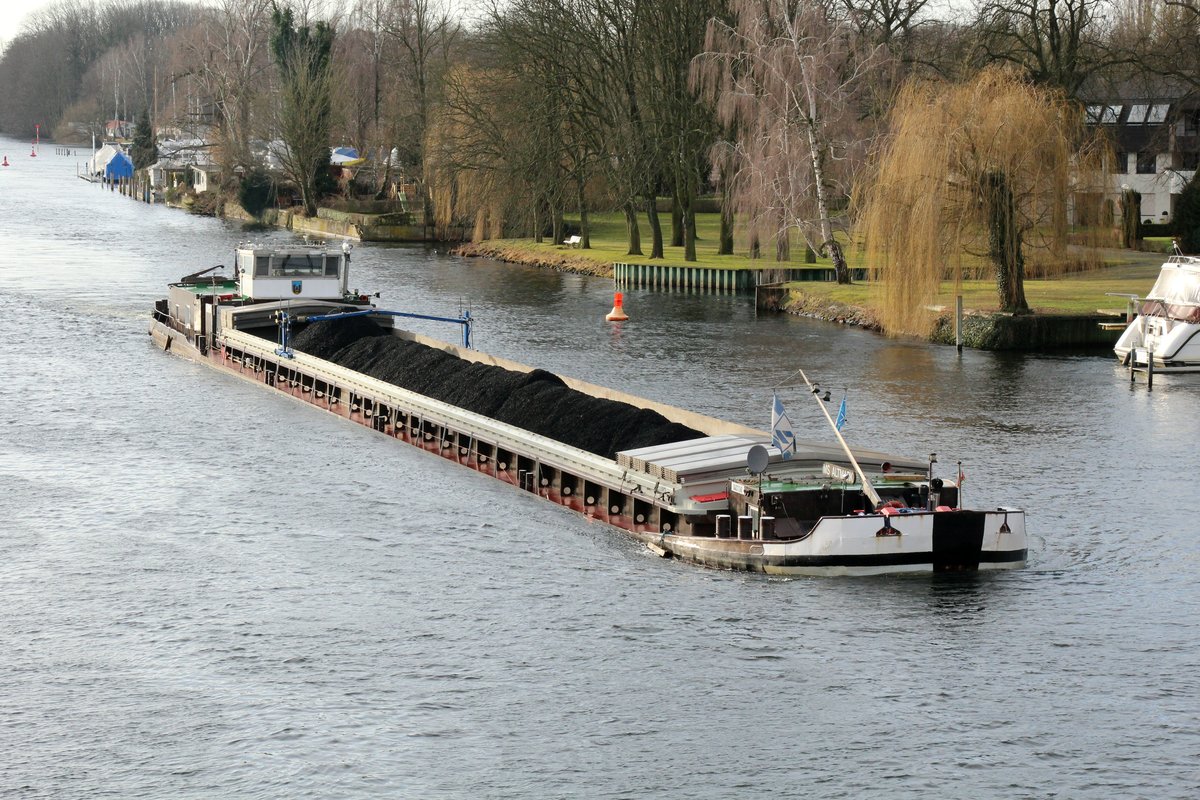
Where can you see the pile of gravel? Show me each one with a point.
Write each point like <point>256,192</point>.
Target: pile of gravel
<point>536,401</point>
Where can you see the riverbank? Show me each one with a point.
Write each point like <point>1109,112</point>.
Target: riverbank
<point>1067,310</point>
<point>517,251</point>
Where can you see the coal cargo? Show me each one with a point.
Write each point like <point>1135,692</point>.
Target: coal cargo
<point>536,401</point>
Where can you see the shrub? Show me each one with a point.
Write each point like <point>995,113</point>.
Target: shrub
<point>256,192</point>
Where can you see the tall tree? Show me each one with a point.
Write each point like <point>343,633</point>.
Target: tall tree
<point>305,104</point>
<point>1160,36</point>
<point>675,35</point>
<point>145,147</point>
<point>417,38</point>
<point>227,57</point>
<point>1057,43</point>
<point>975,168</point>
<point>784,76</point>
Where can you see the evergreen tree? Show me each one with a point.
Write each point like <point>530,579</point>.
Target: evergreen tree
<point>1187,217</point>
<point>145,146</point>
<point>256,192</point>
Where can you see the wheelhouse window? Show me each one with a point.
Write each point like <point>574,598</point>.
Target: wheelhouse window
<point>298,265</point>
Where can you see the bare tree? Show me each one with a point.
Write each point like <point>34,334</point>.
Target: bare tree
<point>228,59</point>
<point>1160,37</point>
<point>416,37</point>
<point>784,76</point>
<point>305,103</point>
<point>1058,43</point>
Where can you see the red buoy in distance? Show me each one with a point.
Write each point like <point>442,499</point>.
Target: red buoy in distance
<point>618,312</point>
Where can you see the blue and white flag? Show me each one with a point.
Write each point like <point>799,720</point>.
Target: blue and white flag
<point>782,435</point>
<point>841,417</point>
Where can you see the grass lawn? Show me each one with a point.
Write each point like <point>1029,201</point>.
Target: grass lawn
<point>609,244</point>
<point>1124,272</point>
<point>1078,293</point>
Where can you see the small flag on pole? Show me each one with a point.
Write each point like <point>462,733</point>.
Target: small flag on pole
<point>841,417</point>
<point>782,435</point>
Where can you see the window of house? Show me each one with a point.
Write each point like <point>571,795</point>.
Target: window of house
<point>1158,113</point>
<point>1189,160</point>
<point>1145,163</point>
<point>1121,164</point>
<point>1191,122</point>
<point>1110,115</point>
<point>1137,113</point>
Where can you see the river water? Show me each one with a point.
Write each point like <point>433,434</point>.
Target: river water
<point>214,591</point>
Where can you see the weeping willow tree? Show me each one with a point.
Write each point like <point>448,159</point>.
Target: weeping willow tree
<point>972,177</point>
<point>494,157</point>
<point>784,77</point>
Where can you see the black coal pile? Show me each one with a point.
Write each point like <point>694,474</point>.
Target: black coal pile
<point>536,401</point>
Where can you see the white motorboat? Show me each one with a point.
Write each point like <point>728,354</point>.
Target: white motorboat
<point>1165,334</point>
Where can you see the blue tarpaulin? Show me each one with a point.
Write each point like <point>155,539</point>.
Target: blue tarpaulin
<point>119,166</point>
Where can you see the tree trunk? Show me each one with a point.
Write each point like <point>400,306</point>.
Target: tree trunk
<point>633,230</point>
<point>1131,212</point>
<point>556,225</point>
<point>538,234</point>
<point>381,194</point>
<point>585,229</point>
<point>308,196</point>
<point>1004,241</point>
<point>725,246</point>
<point>428,217</point>
<point>676,220</point>
<point>656,234</point>
<point>689,230</point>
<point>755,246</point>
<point>829,247</point>
<point>783,246</point>
<point>841,269</point>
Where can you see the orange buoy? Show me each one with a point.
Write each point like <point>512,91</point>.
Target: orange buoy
<point>618,312</point>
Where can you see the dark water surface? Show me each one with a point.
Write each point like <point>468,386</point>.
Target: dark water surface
<point>213,591</point>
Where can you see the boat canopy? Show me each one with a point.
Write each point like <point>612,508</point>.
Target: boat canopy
<point>1176,293</point>
<point>119,166</point>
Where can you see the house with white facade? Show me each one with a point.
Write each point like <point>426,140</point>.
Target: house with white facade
<point>1156,146</point>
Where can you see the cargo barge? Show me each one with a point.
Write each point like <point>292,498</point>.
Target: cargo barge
<point>694,487</point>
